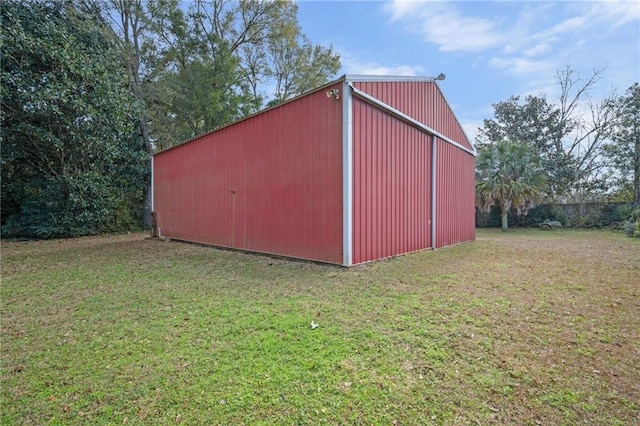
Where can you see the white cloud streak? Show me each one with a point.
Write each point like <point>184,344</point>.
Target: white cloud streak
<point>528,44</point>
<point>520,65</point>
<point>442,24</point>
<point>353,65</point>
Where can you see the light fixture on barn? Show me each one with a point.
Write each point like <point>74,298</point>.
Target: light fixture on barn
<point>440,77</point>
<point>335,93</point>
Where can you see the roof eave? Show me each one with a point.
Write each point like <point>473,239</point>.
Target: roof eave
<point>386,78</point>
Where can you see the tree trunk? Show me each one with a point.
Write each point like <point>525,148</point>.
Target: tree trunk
<point>146,207</point>
<point>505,223</point>
<point>636,172</point>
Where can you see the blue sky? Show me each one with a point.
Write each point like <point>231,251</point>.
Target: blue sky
<point>488,50</point>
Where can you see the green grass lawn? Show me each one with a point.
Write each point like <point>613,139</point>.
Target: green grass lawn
<point>525,327</point>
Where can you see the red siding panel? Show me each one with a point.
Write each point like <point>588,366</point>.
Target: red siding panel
<point>272,183</point>
<point>422,101</point>
<point>391,185</point>
<point>455,195</point>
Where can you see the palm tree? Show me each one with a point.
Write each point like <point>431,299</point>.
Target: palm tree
<point>508,174</point>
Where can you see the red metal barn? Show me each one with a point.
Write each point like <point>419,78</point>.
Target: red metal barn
<point>360,169</point>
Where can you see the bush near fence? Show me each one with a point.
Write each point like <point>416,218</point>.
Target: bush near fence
<point>574,215</point>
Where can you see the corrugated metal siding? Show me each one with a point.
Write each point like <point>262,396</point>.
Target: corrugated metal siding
<point>455,195</point>
<point>422,101</point>
<point>391,184</point>
<point>272,183</point>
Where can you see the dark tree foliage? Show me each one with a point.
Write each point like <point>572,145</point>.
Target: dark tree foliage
<point>201,64</point>
<point>624,150</point>
<point>73,162</point>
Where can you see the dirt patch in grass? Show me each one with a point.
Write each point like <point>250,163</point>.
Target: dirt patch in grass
<point>523,327</point>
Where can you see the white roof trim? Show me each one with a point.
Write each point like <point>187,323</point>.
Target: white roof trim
<point>386,78</point>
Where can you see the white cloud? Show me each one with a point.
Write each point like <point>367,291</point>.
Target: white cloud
<point>401,9</point>
<point>525,41</point>
<point>546,86</point>
<point>617,12</point>
<point>471,128</point>
<point>573,24</point>
<point>375,69</point>
<point>604,15</point>
<point>443,25</point>
<point>522,66</point>
<point>353,65</point>
<point>537,50</point>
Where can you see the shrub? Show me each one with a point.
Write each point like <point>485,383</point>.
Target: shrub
<point>631,225</point>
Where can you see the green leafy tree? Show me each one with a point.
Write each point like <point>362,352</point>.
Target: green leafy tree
<point>508,175</point>
<point>568,134</point>
<point>202,84</point>
<point>72,159</point>
<point>202,98</point>
<point>624,150</point>
<point>214,61</point>
<point>269,45</point>
<point>297,66</point>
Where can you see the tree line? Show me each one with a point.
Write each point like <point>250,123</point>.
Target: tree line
<point>91,88</point>
<point>571,149</point>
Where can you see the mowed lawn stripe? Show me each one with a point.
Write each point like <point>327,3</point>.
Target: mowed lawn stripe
<point>523,327</point>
